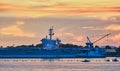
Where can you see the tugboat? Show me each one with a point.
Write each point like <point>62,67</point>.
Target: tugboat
<point>108,60</point>
<point>115,60</point>
<point>86,60</point>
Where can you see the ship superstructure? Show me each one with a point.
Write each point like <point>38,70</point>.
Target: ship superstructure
<point>50,43</point>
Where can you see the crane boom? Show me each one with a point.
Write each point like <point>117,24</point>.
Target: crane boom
<point>89,43</point>
<point>88,39</point>
<point>101,38</point>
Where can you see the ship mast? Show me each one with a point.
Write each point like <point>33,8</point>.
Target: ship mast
<point>51,33</point>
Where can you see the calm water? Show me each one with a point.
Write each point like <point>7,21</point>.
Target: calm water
<point>58,65</point>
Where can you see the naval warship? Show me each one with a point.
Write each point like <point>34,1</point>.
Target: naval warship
<point>51,49</point>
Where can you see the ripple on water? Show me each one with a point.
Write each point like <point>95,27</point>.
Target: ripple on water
<point>58,65</point>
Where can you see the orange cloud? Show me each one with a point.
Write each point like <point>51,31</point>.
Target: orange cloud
<point>20,23</point>
<point>69,37</point>
<point>42,0</point>
<point>116,39</point>
<point>88,27</point>
<point>73,38</point>
<point>54,8</point>
<point>113,27</point>
<point>78,38</point>
<point>14,30</point>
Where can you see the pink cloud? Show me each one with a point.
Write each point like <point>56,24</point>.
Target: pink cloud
<point>69,37</point>
<point>116,38</point>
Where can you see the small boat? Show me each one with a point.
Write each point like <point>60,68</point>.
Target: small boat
<point>86,60</point>
<point>115,60</point>
<point>108,60</point>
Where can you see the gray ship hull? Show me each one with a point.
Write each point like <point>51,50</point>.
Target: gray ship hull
<point>54,53</point>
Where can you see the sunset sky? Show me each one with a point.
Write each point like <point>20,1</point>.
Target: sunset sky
<point>24,22</point>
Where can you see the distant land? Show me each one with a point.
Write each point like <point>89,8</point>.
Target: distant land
<point>112,51</point>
